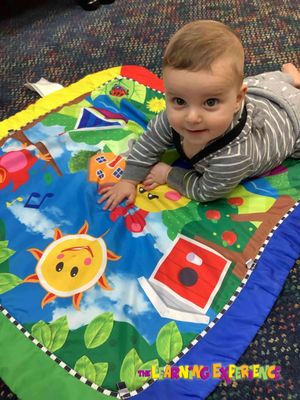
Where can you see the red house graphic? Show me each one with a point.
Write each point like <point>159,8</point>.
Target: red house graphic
<point>186,280</point>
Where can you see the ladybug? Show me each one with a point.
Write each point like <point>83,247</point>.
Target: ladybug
<point>118,91</point>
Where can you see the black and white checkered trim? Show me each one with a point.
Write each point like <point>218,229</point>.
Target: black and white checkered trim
<point>251,268</point>
<point>117,394</point>
<point>56,359</point>
<point>123,393</point>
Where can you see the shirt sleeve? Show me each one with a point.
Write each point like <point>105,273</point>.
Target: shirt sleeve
<point>148,148</point>
<point>268,78</point>
<point>219,178</point>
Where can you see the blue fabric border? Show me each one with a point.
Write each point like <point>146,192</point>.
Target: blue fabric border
<point>232,334</point>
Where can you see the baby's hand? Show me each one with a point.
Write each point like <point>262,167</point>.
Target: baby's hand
<point>157,176</point>
<point>117,193</point>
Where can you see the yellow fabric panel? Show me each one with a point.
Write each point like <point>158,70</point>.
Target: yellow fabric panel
<point>56,100</point>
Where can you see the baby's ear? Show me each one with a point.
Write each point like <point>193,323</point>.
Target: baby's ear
<point>244,88</point>
<point>240,96</point>
<point>242,92</point>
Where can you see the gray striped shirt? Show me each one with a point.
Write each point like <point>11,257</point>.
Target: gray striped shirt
<point>271,133</point>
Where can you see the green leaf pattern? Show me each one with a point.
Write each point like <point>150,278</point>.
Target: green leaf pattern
<point>5,252</point>
<point>59,333</point>
<point>54,335</point>
<point>93,372</point>
<point>86,368</point>
<point>169,341</point>
<point>8,282</point>
<point>131,364</point>
<point>98,330</point>
<point>129,370</point>
<point>101,372</point>
<point>140,380</point>
<point>42,332</point>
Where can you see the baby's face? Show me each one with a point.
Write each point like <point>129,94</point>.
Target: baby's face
<point>201,104</point>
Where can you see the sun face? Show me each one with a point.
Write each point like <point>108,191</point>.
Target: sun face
<point>70,265</point>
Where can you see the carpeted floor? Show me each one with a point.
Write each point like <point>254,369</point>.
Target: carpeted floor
<point>57,40</point>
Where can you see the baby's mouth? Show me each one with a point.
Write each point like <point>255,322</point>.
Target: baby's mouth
<point>196,131</point>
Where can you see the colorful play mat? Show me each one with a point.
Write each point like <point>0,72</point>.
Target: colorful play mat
<point>99,305</point>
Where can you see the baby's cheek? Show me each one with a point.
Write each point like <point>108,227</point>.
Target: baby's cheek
<point>174,117</point>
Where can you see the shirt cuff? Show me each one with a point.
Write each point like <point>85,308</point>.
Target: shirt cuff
<point>175,179</point>
<point>135,173</point>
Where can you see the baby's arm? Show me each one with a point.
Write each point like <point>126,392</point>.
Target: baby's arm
<point>144,154</point>
<point>218,179</point>
<point>147,150</point>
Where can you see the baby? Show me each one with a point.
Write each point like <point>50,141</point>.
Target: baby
<point>226,128</point>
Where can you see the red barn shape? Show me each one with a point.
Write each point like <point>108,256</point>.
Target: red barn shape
<point>186,280</point>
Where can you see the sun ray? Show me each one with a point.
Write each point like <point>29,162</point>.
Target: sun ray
<point>103,283</point>
<point>37,254</point>
<point>33,278</point>
<point>84,228</point>
<point>57,233</point>
<point>112,256</point>
<point>47,299</point>
<point>76,300</point>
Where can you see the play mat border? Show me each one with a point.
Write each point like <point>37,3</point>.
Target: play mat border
<point>194,342</point>
<point>200,345</point>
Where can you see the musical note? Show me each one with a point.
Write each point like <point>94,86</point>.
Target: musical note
<point>35,200</point>
<point>9,203</point>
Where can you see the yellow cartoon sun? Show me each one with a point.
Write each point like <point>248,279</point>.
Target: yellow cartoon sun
<point>156,105</point>
<point>70,265</point>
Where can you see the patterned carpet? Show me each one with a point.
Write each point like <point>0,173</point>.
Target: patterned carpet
<point>56,39</point>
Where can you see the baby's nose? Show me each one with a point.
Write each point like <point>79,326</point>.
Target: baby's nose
<point>193,116</point>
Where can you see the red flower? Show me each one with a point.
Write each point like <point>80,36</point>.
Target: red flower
<point>136,222</point>
<point>117,212</point>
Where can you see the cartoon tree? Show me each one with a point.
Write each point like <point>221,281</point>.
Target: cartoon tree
<point>43,151</point>
<point>176,220</point>
<point>220,226</point>
<point>243,241</point>
<point>79,162</point>
<point>216,224</point>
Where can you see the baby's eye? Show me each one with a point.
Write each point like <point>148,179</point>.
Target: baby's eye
<point>211,102</point>
<point>178,101</point>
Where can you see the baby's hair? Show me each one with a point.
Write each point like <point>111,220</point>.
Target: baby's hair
<point>200,43</point>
